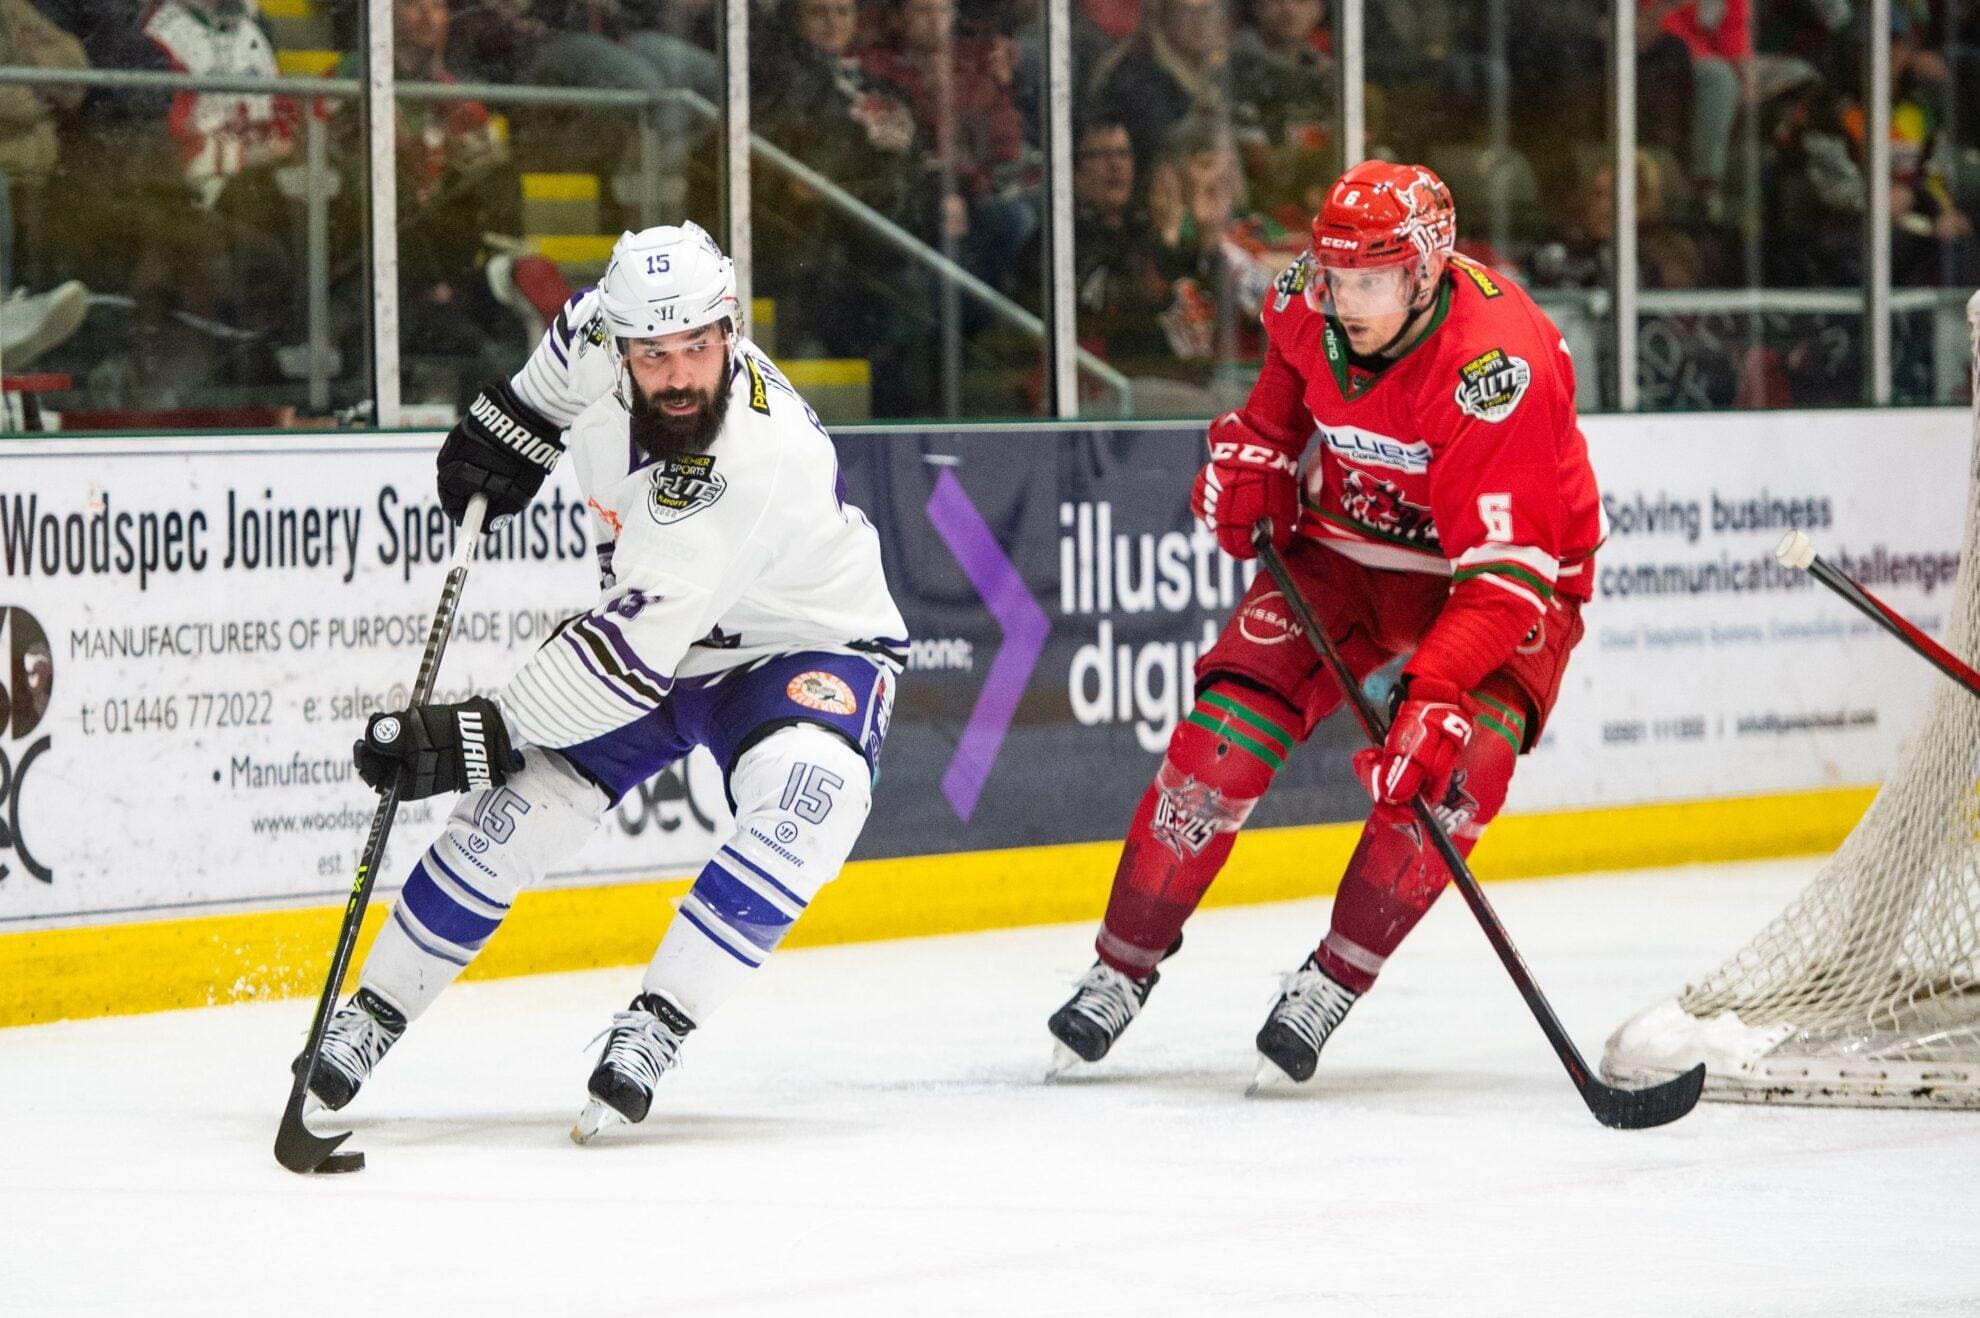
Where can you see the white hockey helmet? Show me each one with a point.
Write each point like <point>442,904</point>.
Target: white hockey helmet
<point>665,280</point>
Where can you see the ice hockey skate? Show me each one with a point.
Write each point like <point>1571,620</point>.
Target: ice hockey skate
<point>1099,1009</point>
<point>1311,1004</point>
<point>642,1045</point>
<point>360,1033</point>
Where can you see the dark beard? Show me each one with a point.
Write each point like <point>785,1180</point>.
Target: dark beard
<point>661,436</point>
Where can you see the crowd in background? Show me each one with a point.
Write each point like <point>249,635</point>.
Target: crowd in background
<point>1205,133</point>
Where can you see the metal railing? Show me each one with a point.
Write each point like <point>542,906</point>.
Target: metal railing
<point>646,107</point>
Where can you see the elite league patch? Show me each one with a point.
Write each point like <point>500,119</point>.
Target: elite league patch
<point>1491,384</point>
<point>683,486</point>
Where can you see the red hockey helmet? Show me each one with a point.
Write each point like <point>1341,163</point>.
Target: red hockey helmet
<point>1381,239</point>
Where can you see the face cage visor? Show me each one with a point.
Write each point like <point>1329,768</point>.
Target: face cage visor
<point>1360,292</point>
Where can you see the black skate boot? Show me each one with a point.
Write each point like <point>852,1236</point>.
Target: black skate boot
<point>1311,1004</point>
<point>361,1032</point>
<point>642,1045</point>
<point>1099,1009</point>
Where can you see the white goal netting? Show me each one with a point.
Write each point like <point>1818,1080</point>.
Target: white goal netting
<point>1865,991</point>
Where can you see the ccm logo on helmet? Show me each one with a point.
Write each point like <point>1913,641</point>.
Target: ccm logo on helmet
<point>505,429</point>
<point>1348,243</point>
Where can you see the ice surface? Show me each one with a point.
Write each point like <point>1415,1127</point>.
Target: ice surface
<point>865,1132</point>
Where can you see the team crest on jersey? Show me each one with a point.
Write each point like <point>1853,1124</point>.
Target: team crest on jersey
<point>1290,284</point>
<point>1491,384</point>
<point>683,486</point>
<point>1379,504</point>
<point>823,691</point>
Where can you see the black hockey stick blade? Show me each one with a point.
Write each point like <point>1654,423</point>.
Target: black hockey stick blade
<point>297,1147</point>
<point>1619,1109</point>
<point>300,1149</point>
<point>1639,1109</point>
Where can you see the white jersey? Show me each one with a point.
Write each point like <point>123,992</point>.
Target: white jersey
<point>570,369</point>
<point>709,561</point>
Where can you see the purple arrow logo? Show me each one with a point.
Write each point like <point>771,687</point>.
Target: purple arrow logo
<point>1024,625</point>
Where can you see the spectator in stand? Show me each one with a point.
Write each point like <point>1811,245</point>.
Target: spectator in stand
<point>1177,65</point>
<point>1123,276</point>
<point>1226,254</point>
<point>1814,206</point>
<point>849,293</point>
<point>32,323</point>
<point>621,45</point>
<point>189,206</point>
<point>1282,76</point>
<point>967,123</point>
<point>1716,37</point>
<point>1025,21</point>
<point>468,311</point>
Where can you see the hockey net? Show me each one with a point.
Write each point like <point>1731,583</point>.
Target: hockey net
<point>1865,991</point>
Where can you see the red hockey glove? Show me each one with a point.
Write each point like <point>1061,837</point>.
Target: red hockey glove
<point>1424,741</point>
<point>1245,480</point>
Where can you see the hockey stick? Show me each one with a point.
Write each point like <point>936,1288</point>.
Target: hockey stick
<point>296,1146</point>
<point>1624,1109</point>
<point>1796,550</point>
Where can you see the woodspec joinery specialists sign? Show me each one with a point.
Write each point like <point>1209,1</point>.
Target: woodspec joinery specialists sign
<point>194,632</point>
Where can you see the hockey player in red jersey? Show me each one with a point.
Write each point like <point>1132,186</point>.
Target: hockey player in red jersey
<point>1446,510</point>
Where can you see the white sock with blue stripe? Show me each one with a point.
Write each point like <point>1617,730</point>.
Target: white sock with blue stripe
<point>802,795</point>
<point>495,844</point>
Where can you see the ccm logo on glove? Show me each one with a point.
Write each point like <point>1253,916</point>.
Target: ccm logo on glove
<point>1422,748</point>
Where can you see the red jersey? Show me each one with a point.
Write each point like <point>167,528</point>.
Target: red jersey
<point>1462,458</point>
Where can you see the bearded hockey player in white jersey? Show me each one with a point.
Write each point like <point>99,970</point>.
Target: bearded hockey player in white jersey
<point>743,609</point>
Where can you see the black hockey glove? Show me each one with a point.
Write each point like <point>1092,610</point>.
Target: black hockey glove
<point>502,448</point>
<point>430,749</point>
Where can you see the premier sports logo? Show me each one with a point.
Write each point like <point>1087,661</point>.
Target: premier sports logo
<point>1491,384</point>
<point>683,486</point>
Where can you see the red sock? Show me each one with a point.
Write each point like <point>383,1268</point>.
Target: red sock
<point>1220,761</point>
<point>1395,872</point>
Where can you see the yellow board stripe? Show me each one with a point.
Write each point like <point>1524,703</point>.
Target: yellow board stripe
<point>560,187</point>
<point>823,372</point>
<point>573,248</point>
<point>121,969</point>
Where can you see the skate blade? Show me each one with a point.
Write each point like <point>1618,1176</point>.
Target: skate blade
<point>597,1116</point>
<point>1269,1077</point>
<point>1063,1060</point>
